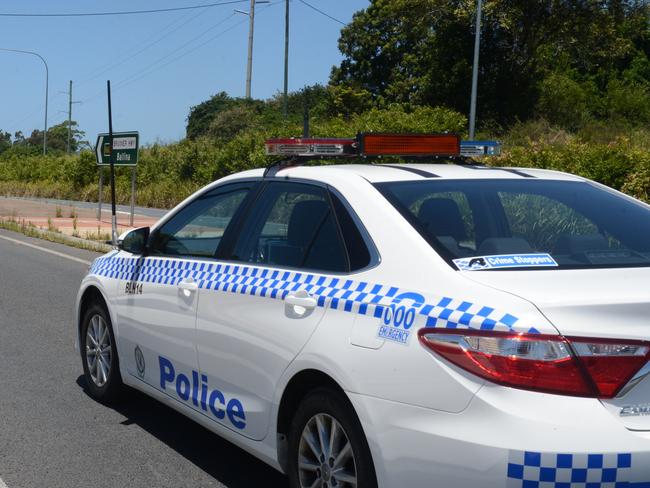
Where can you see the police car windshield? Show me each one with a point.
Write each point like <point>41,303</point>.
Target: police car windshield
<point>525,223</point>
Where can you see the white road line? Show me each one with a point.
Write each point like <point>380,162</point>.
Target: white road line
<point>50,251</point>
<point>119,212</point>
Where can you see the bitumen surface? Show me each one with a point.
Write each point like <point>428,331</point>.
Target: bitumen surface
<point>52,434</point>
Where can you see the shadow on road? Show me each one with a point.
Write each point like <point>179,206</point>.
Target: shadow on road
<point>222,460</point>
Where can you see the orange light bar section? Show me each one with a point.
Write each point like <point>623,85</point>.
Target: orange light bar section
<point>410,144</point>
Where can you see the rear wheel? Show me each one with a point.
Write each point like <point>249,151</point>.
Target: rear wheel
<point>327,446</point>
<point>99,355</point>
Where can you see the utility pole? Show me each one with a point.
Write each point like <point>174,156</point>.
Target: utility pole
<point>249,66</point>
<point>477,44</point>
<point>67,147</point>
<point>251,29</point>
<point>70,102</point>
<point>285,108</point>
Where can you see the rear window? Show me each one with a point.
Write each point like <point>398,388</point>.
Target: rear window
<point>566,224</point>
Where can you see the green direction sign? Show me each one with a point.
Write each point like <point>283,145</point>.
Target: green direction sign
<point>125,149</point>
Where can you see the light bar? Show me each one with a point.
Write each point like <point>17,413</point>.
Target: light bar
<point>480,148</point>
<point>379,144</point>
<point>409,144</point>
<point>311,147</point>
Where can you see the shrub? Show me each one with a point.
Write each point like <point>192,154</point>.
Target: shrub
<point>562,101</point>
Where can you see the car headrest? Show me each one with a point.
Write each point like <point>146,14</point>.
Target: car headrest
<point>575,244</point>
<point>441,217</point>
<point>504,245</point>
<point>304,221</point>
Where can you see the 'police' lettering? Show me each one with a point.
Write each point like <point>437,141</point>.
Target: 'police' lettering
<point>214,400</point>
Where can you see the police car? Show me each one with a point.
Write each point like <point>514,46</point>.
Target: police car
<point>391,325</point>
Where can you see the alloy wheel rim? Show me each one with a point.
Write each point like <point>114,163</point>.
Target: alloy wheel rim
<point>98,350</point>
<point>325,455</point>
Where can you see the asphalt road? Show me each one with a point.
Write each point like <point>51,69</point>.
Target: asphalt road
<point>52,434</point>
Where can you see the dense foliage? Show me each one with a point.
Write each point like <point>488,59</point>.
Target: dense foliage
<point>562,59</point>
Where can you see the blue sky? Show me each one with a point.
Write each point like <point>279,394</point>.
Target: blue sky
<point>185,58</point>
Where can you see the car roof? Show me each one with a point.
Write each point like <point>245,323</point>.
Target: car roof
<point>380,173</point>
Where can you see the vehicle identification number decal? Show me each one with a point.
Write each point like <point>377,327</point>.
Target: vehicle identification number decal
<point>133,288</point>
<point>502,261</point>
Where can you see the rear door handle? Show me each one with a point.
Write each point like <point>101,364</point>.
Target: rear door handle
<point>301,299</point>
<point>188,285</point>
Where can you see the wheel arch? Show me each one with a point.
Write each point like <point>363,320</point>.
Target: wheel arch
<point>92,294</point>
<point>299,386</point>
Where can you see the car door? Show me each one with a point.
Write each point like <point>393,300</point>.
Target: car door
<point>262,308</point>
<point>158,293</point>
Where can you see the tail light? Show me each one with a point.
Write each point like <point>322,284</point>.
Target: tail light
<point>551,364</point>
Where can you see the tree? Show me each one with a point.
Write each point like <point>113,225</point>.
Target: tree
<point>5,141</point>
<point>57,137</point>
<point>420,51</point>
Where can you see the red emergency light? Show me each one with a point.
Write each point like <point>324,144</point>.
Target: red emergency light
<point>368,144</point>
<point>409,145</point>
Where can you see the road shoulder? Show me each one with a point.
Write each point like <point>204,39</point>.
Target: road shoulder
<point>80,254</point>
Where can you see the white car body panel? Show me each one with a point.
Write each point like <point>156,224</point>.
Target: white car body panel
<point>424,418</point>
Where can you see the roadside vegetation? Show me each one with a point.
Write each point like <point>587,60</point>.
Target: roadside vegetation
<point>565,85</point>
<point>90,242</point>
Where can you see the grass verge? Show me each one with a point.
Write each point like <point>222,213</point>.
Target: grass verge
<point>30,230</point>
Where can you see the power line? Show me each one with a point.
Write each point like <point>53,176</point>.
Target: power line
<point>138,76</point>
<point>146,46</point>
<point>152,68</point>
<point>123,12</point>
<point>128,81</point>
<point>149,69</point>
<point>322,13</point>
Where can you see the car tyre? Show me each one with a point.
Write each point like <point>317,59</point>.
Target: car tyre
<point>99,355</point>
<point>327,446</point>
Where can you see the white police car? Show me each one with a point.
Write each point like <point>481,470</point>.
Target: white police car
<point>407,325</point>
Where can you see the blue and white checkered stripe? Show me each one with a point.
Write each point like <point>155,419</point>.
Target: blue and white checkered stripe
<point>554,470</point>
<point>333,292</point>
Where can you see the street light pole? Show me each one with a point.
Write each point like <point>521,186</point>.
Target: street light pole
<point>47,85</point>
<point>477,44</point>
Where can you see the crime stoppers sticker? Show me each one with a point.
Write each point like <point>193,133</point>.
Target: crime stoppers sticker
<point>502,261</point>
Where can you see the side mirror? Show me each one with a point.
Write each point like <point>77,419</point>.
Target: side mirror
<point>134,241</point>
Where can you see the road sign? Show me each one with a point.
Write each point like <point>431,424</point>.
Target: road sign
<point>125,149</point>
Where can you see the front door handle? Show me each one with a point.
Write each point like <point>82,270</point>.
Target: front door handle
<point>301,299</point>
<point>188,285</point>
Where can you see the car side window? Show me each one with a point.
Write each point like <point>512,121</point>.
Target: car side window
<point>358,252</point>
<point>196,230</point>
<point>292,225</point>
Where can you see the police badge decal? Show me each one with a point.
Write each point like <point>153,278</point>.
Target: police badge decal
<point>139,361</point>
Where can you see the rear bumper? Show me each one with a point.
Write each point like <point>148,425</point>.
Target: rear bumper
<point>505,438</point>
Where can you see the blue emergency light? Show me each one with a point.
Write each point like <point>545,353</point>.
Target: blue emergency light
<point>480,148</point>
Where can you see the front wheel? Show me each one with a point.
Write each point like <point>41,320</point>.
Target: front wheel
<point>99,355</point>
<point>327,446</point>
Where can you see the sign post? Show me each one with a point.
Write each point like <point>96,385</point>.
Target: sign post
<point>101,191</point>
<point>123,152</point>
<point>112,164</point>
